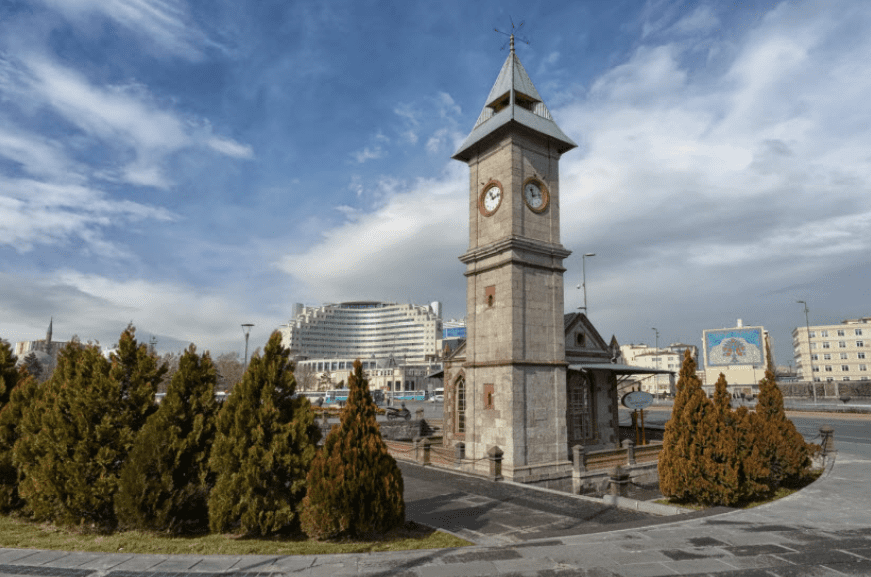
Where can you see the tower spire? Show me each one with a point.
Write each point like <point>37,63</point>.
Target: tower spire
<point>48,333</point>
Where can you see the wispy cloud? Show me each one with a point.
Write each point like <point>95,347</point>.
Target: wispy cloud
<point>161,25</point>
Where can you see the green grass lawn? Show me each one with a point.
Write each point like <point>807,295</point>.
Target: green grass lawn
<point>17,533</point>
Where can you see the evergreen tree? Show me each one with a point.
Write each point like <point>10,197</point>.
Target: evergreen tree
<point>9,374</point>
<point>263,449</point>
<point>723,466</point>
<point>138,372</point>
<point>354,486</point>
<point>754,472</point>
<point>164,484</point>
<point>73,443</point>
<point>783,449</point>
<point>24,397</point>
<point>688,442</point>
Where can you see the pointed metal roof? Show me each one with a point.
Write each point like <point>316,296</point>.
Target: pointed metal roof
<point>513,98</point>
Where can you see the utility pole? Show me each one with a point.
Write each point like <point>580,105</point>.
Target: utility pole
<point>810,355</point>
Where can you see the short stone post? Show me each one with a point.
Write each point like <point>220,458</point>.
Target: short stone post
<point>828,439</point>
<point>579,459</point>
<point>425,455</point>
<point>495,456</point>
<point>459,452</point>
<point>415,447</point>
<point>630,451</point>
<point>418,414</point>
<point>619,480</point>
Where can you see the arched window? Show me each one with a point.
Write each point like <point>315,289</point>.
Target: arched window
<point>461,405</point>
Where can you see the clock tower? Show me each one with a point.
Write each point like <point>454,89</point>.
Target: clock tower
<point>512,390</point>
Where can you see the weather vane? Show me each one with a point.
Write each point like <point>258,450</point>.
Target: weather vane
<point>512,34</point>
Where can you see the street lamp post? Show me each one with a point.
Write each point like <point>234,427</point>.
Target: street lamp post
<point>246,328</point>
<point>656,348</point>
<point>584,281</point>
<point>810,357</point>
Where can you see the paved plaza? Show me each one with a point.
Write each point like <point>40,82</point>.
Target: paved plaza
<point>824,530</point>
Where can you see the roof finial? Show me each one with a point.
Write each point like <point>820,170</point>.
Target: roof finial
<point>514,30</point>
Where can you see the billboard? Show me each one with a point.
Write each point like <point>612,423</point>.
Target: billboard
<point>739,346</point>
<point>454,333</point>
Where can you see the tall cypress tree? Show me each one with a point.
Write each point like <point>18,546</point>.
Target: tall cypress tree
<point>723,467</point>
<point>783,449</point>
<point>13,384</point>
<point>354,486</point>
<point>264,446</point>
<point>75,440</point>
<point>164,484</point>
<point>688,441</point>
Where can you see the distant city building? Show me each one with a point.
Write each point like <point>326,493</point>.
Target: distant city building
<point>740,353</point>
<point>399,345</point>
<point>45,350</point>
<point>669,358</point>
<point>364,330</point>
<point>836,352</point>
<point>384,374</point>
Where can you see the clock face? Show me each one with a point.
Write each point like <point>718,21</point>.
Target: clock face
<point>535,195</point>
<point>490,199</point>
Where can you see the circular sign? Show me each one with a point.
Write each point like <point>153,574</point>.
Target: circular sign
<point>637,400</point>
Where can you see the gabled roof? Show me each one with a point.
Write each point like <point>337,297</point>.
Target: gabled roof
<point>513,100</point>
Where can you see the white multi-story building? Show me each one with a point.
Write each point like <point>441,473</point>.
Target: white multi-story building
<point>669,359</point>
<point>399,345</point>
<point>834,352</point>
<point>365,330</point>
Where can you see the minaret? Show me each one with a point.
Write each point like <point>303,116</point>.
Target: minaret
<point>512,393</point>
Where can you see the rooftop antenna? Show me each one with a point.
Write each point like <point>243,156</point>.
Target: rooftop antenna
<point>512,34</point>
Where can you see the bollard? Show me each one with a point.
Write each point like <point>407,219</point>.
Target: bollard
<point>459,452</point>
<point>425,448</point>
<point>579,458</point>
<point>619,482</point>
<point>828,439</point>
<point>630,451</point>
<point>415,447</point>
<point>418,414</point>
<point>495,456</point>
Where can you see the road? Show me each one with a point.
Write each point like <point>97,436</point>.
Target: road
<point>852,430</point>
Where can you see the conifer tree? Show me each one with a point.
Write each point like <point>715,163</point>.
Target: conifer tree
<point>164,484</point>
<point>688,441</point>
<point>9,374</point>
<point>263,449</point>
<point>723,466</point>
<point>138,372</point>
<point>24,398</point>
<point>754,472</point>
<point>73,444</point>
<point>783,449</point>
<point>355,487</point>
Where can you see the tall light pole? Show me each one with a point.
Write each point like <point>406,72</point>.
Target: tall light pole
<point>584,272</point>
<point>246,328</point>
<point>656,348</point>
<point>810,355</point>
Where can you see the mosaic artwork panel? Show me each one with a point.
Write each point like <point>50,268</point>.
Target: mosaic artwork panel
<point>743,346</point>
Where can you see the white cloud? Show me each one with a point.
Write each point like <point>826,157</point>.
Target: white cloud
<point>98,308</point>
<point>162,25</point>
<point>230,147</point>
<point>36,212</point>
<point>406,248</point>
<point>367,153</point>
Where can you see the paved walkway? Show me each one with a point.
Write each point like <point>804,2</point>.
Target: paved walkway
<point>823,530</point>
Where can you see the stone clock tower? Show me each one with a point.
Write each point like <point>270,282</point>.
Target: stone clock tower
<point>512,390</point>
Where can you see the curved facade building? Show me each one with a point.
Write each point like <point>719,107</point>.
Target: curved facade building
<point>364,330</point>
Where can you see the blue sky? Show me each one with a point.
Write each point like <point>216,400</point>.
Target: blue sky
<point>190,166</point>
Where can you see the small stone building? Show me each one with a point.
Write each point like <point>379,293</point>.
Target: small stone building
<point>591,391</point>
